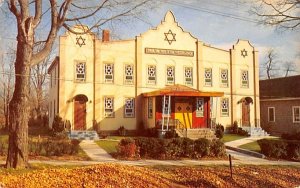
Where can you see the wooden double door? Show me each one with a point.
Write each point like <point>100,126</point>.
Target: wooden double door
<point>184,113</point>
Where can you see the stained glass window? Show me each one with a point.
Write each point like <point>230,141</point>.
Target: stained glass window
<point>129,74</point>
<point>208,77</point>
<point>80,71</point>
<point>224,107</point>
<point>224,77</point>
<point>170,74</point>
<point>151,74</point>
<point>109,73</point>
<point>188,75</point>
<point>244,79</point>
<point>199,107</point>
<point>109,107</point>
<point>129,107</point>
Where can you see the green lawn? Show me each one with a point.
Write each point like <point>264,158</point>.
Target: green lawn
<point>108,146</point>
<point>252,146</point>
<point>231,137</point>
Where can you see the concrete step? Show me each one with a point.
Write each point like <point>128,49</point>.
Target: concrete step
<point>83,135</point>
<point>197,133</point>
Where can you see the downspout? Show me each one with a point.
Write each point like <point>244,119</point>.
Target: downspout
<point>135,83</point>
<point>254,79</point>
<point>94,83</point>
<point>231,88</point>
<point>197,64</point>
<point>58,80</point>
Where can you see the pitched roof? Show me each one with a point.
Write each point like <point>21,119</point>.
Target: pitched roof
<point>181,90</point>
<point>286,87</point>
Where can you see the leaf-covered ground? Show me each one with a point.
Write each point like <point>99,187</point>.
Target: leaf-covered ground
<point>111,175</point>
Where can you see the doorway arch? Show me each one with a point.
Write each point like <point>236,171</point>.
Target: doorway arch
<point>80,112</point>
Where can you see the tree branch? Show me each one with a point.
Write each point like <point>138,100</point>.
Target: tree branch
<point>88,15</point>
<point>38,13</point>
<point>41,55</point>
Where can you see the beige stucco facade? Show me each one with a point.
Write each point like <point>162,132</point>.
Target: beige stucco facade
<point>165,46</point>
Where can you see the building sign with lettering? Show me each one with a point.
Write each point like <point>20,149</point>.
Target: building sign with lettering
<point>160,51</point>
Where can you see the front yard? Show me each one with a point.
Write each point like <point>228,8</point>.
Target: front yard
<point>114,175</point>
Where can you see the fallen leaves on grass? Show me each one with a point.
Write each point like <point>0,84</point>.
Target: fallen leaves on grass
<point>112,175</point>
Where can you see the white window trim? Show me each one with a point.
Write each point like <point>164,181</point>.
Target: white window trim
<point>223,114</point>
<point>113,106</point>
<point>151,82</point>
<point>294,114</point>
<point>244,85</point>
<point>127,81</point>
<point>273,114</point>
<point>129,115</point>
<point>76,75</point>
<point>168,82</point>
<point>109,81</point>
<point>191,82</point>
<point>221,79</point>
<point>208,84</point>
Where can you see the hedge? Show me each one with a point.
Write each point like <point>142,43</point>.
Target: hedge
<point>175,148</point>
<point>282,149</point>
<point>47,147</point>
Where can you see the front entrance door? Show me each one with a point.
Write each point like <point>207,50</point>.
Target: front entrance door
<point>79,113</point>
<point>184,112</point>
<point>245,113</point>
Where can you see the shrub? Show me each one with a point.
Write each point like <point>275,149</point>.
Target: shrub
<point>293,150</point>
<point>273,148</point>
<point>151,132</point>
<point>179,147</point>
<point>219,131</point>
<point>217,149</point>
<point>127,148</point>
<point>150,147</point>
<point>293,136</point>
<point>53,147</point>
<point>122,131</point>
<point>57,125</point>
<point>171,134</point>
<point>242,132</point>
<point>235,127</point>
<point>201,147</point>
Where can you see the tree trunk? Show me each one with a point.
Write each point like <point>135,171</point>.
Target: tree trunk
<point>17,156</point>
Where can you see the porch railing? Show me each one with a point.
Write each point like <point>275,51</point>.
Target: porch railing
<point>172,125</point>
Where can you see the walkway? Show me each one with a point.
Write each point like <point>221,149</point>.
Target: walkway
<point>95,152</point>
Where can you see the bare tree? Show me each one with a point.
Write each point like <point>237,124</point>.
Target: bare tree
<point>270,63</point>
<point>6,70</point>
<point>280,13</point>
<point>29,15</point>
<point>38,79</point>
<point>288,67</point>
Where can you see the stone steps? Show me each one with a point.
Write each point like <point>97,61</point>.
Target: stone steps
<point>83,135</point>
<point>197,133</point>
<point>256,131</point>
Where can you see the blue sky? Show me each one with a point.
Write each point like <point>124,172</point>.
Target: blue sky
<point>220,31</point>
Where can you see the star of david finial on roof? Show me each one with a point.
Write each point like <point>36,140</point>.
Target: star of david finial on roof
<point>170,37</point>
<point>244,53</point>
<point>80,41</point>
